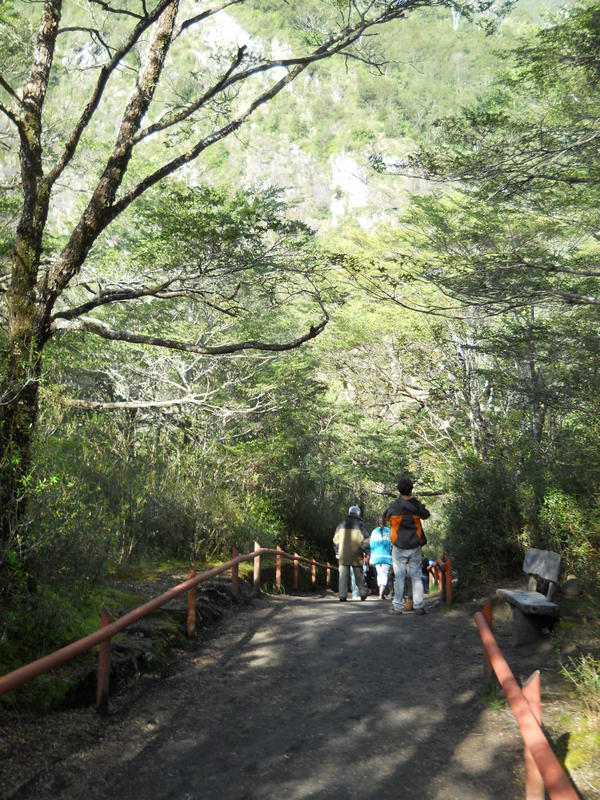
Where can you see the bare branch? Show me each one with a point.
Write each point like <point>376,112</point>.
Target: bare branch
<point>101,329</point>
<point>97,405</point>
<point>8,88</point>
<point>191,155</point>
<point>229,79</point>
<point>204,15</point>
<point>95,35</point>
<point>105,73</point>
<point>11,116</point>
<point>172,119</point>
<point>336,45</point>
<point>113,10</point>
<point>113,296</point>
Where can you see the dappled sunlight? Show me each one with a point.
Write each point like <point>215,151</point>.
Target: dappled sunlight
<point>316,699</point>
<point>261,657</point>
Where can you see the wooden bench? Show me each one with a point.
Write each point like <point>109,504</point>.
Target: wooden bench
<point>532,611</point>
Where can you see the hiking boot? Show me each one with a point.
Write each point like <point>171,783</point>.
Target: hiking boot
<point>342,599</point>
<point>408,606</point>
<point>420,611</point>
<point>395,611</point>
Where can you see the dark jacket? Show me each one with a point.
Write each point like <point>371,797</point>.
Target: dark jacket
<point>351,541</point>
<point>404,518</point>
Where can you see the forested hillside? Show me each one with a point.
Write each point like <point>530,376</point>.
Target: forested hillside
<point>258,262</point>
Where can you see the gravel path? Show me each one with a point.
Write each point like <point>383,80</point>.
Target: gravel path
<point>308,698</point>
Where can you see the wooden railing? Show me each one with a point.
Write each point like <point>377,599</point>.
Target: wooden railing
<point>442,575</point>
<point>542,768</point>
<point>109,628</point>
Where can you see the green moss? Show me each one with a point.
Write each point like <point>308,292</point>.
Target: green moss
<point>567,624</point>
<point>53,619</point>
<point>583,749</point>
<point>145,571</point>
<point>50,690</point>
<point>115,601</point>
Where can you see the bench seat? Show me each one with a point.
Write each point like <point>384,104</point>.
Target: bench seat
<point>532,611</point>
<point>529,602</point>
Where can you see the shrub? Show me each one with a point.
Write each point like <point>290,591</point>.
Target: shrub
<point>567,526</point>
<point>584,673</point>
<point>483,521</point>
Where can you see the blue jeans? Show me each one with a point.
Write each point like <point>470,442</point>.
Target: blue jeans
<point>355,592</point>
<point>357,573</point>
<point>407,561</point>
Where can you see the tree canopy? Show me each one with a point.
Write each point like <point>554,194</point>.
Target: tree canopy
<point>223,318</point>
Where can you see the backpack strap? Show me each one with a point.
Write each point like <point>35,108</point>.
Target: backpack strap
<point>419,527</point>
<point>396,521</point>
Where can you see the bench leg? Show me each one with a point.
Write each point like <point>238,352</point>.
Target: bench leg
<point>526,628</point>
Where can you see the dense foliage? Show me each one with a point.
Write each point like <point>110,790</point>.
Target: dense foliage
<point>512,247</point>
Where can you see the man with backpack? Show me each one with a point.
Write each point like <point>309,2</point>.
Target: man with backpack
<point>404,517</point>
<point>351,540</point>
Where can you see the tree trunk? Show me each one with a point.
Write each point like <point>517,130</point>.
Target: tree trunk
<point>18,414</point>
<point>31,298</point>
<point>28,321</point>
<point>27,318</point>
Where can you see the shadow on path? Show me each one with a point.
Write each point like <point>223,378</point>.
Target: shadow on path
<point>310,698</point>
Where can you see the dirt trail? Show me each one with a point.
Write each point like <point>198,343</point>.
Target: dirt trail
<point>307,698</point>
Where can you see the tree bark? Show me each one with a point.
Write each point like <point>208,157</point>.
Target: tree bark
<point>27,327</point>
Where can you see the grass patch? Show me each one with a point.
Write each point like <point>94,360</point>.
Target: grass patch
<point>575,731</point>
<point>41,623</point>
<point>494,697</point>
<point>40,626</point>
<point>583,749</point>
<point>147,571</point>
<point>584,673</point>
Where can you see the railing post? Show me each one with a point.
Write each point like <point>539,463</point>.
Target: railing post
<point>295,570</point>
<point>328,578</point>
<point>103,670</point>
<point>442,579</point>
<point>191,608</point>
<point>487,613</point>
<point>488,672</point>
<point>235,580</point>
<point>555,779</point>
<point>257,567</point>
<point>278,569</point>
<point>448,581</point>
<point>314,573</point>
<point>534,783</point>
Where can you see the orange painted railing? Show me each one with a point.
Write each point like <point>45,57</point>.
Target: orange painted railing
<point>109,628</point>
<point>542,768</point>
<point>442,575</point>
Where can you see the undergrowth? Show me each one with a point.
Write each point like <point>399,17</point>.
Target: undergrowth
<point>584,673</point>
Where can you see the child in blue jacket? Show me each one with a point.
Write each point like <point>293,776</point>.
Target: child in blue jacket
<point>381,555</point>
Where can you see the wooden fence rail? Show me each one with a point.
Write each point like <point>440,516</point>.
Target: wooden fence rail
<point>542,768</point>
<point>109,628</point>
